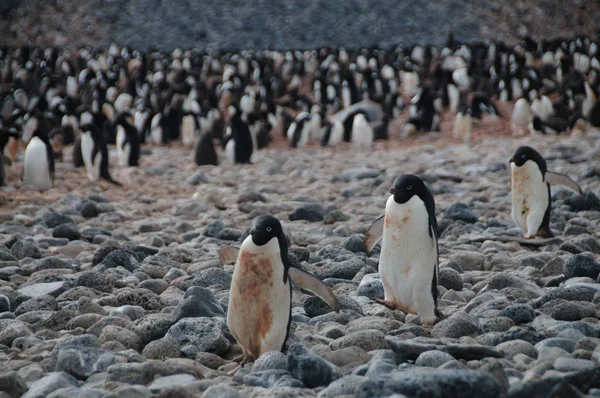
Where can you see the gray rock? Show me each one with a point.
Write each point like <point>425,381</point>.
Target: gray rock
<point>162,349</point>
<point>196,335</point>
<point>460,212</point>
<point>170,382</point>
<point>124,336</point>
<point>440,383</point>
<point>53,219</point>
<point>312,212</point>
<point>359,174</point>
<point>221,391</point>
<point>411,349</point>
<point>82,362</point>
<point>68,231</point>
<point>504,280</point>
<point>208,277</point>
<point>370,286</point>
<point>495,324</point>
<point>355,244</point>
<point>368,340</point>
<point>229,234</point>
<point>153,327</point>
<point>342,270</point>
<point>75,392</point>
<point>563,364</point>
<point>119,258</point>
<point>140,297</point>
<point>450,279</point>
<point>347,356</point>
<point>269,361</point>
<point>496,369</point>
<point>22,249</point>
<point>12,329</point>
<point>345,386</point>
<point>131,392</point>
<point>454,327</point>
<point>4,304</point>
<point>251,196</point>
<point>568,310</point>
<point>271,379</point>
<point>213,228</point>
<point>89,209</point>
<point>519,313</point>
<point>468,261</point>
<point>40,303</point>
<point>134,312</point>
<point>46,385</point>
<point>566,344</point>
<point>581,265</point>
<point>511,348</point>
<point>146,372</point>
<point>433,359</point>
<point>198,302</point>
<point>199,177</point>
<point>12,384</point>
<point>308,367</point>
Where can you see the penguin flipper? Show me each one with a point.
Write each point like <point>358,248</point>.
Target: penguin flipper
<point>563,180</point>
<point>310,282</point>
<point>228,255</point>
<point>374,233</point>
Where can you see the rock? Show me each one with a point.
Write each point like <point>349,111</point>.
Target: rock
<point>368,340</point>
<point>460,212</point>
<point>208,277</point>
<point>495,368</point>
<point>198,302</point>
<point>119,258</point>
<point>563,310</point>
<point>311,369</point>
<point>347,356</point>
<point>566,344</point>
<point>450,279</point>
<point>134,391</point>
<point>345,386</point>
<point>269,361</point>
<point>39,303</point>
<point>22,249</point>
<point>46,264</point>
<point>153,327</point>
<point>146,372</point>
<point>359,174</point>
<point>213,228</point>
<point>271,379</point>
<point>124,336</point>
<point>170,382</point>
<point>433,359</point>
<point>495,324</point>
<point>370,286</point>
<point>68,231</point>
<point>12,384</point>
<point>468,261</point>
<point>312,212</point>
<point>342,270</point>
<point>503,280</point>
<point>563,364</point>
<point>196,335</point>
<point>440,383</point>
<point>199,177</point>
<point>229,234</point>
<point>53,219</point>
<point>89,209</point>
<point>4,304</point>
<point>411,350</point>
<point>251,196</point>
<point>46,385</point>
<point>221,391</point>
<point>162,349</point>
<point>134,312</point>
<point>581,265</point>
<point>453,327</point>
<point>373,322</point>
<point>587,201</point>
<point>511,348</point>
<point>519,313</point>
<point>355,244</point>
<point>12,329</point>
<point>140,297</point>
<point>82,362</point>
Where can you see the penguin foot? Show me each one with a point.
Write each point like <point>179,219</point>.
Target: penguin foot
<point>242,359</point>
<point>386,303</point>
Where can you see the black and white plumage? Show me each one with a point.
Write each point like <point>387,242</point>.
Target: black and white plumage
<point>94,152</point>
<point>238,141</point>
<point>552,125</point>
<point>128,144</point>
<point>38,163</point>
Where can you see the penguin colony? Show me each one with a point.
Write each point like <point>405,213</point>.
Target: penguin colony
<point>243,102</point>
<point>92,100</point>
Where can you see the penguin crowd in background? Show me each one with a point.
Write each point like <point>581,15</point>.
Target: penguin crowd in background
<point>235,103</point>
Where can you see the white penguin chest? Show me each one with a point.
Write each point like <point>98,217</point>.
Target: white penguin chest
<point>36,169</point>
<point>529,193</point>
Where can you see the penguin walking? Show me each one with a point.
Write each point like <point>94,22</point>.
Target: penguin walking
<point>128,142</point>
<point>362,132</point>
<point>94,152</point>
<point>259,312</point>
<point>238,142</point>
<point>408,264</point>
<point>520,117</point>
<point>38,164</point>
<point>530,190</point>
<point>298,133</point>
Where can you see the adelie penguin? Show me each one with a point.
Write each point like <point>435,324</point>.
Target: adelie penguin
<point>38,164</point>
<point>259,312</point>
<point>530,190</point>
<point>238,141</point>
<point>94,152</point>
<point>408,263</point>
<point>128,143</point>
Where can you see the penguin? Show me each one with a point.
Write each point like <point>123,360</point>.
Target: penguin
<point>94,152</point>
<point>408,263</point>
<point>259,312</point>
<point>204,150</point>
<point>362,132</point>
<point>333,133</point>
<point>298,133</point>
<point>520,116</point>
<point>238,142</point>
<point>463,125</point>
<point>552,125</point>
<point>38,163</point>
<point>128,143</point>
<point>530,191</point>
<point>189,129</point>
<point>77,156</point>
<point>411,127</point>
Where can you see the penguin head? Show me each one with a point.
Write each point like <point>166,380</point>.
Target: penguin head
<point>265,228</point>
<point>407,186</point>
<point>525,153</point>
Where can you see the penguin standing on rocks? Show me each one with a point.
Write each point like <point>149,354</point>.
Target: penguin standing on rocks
<point>128,142</point>
<point>259,312</point>
<point>38,164</point>
<point>463,125</point>
<point>238,142</point>
<point>94,152</point>
<point>530,190</point>
<point>408,264</point>
<point>204,150</point>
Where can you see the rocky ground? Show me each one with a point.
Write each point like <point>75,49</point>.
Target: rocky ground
<point>284,24</point>
<point>118,292</point>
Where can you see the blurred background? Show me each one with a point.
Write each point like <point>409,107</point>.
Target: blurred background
<point>284,24</point>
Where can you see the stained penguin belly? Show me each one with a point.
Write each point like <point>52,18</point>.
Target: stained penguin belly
<point>407,258</point>
<point>259,304</point>
<point>530,197</point>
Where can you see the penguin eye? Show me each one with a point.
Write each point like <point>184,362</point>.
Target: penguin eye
<point>409,187</point>
<point>523,156</point>
<point>269,229</point>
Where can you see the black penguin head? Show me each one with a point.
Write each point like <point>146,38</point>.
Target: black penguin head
<point>265,228</point>
<point>525,153</point>
<point>407,186</point>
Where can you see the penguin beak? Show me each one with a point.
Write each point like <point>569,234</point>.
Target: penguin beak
<point>253,231</point>
<point>393,190</point>
<point>511,160</point>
